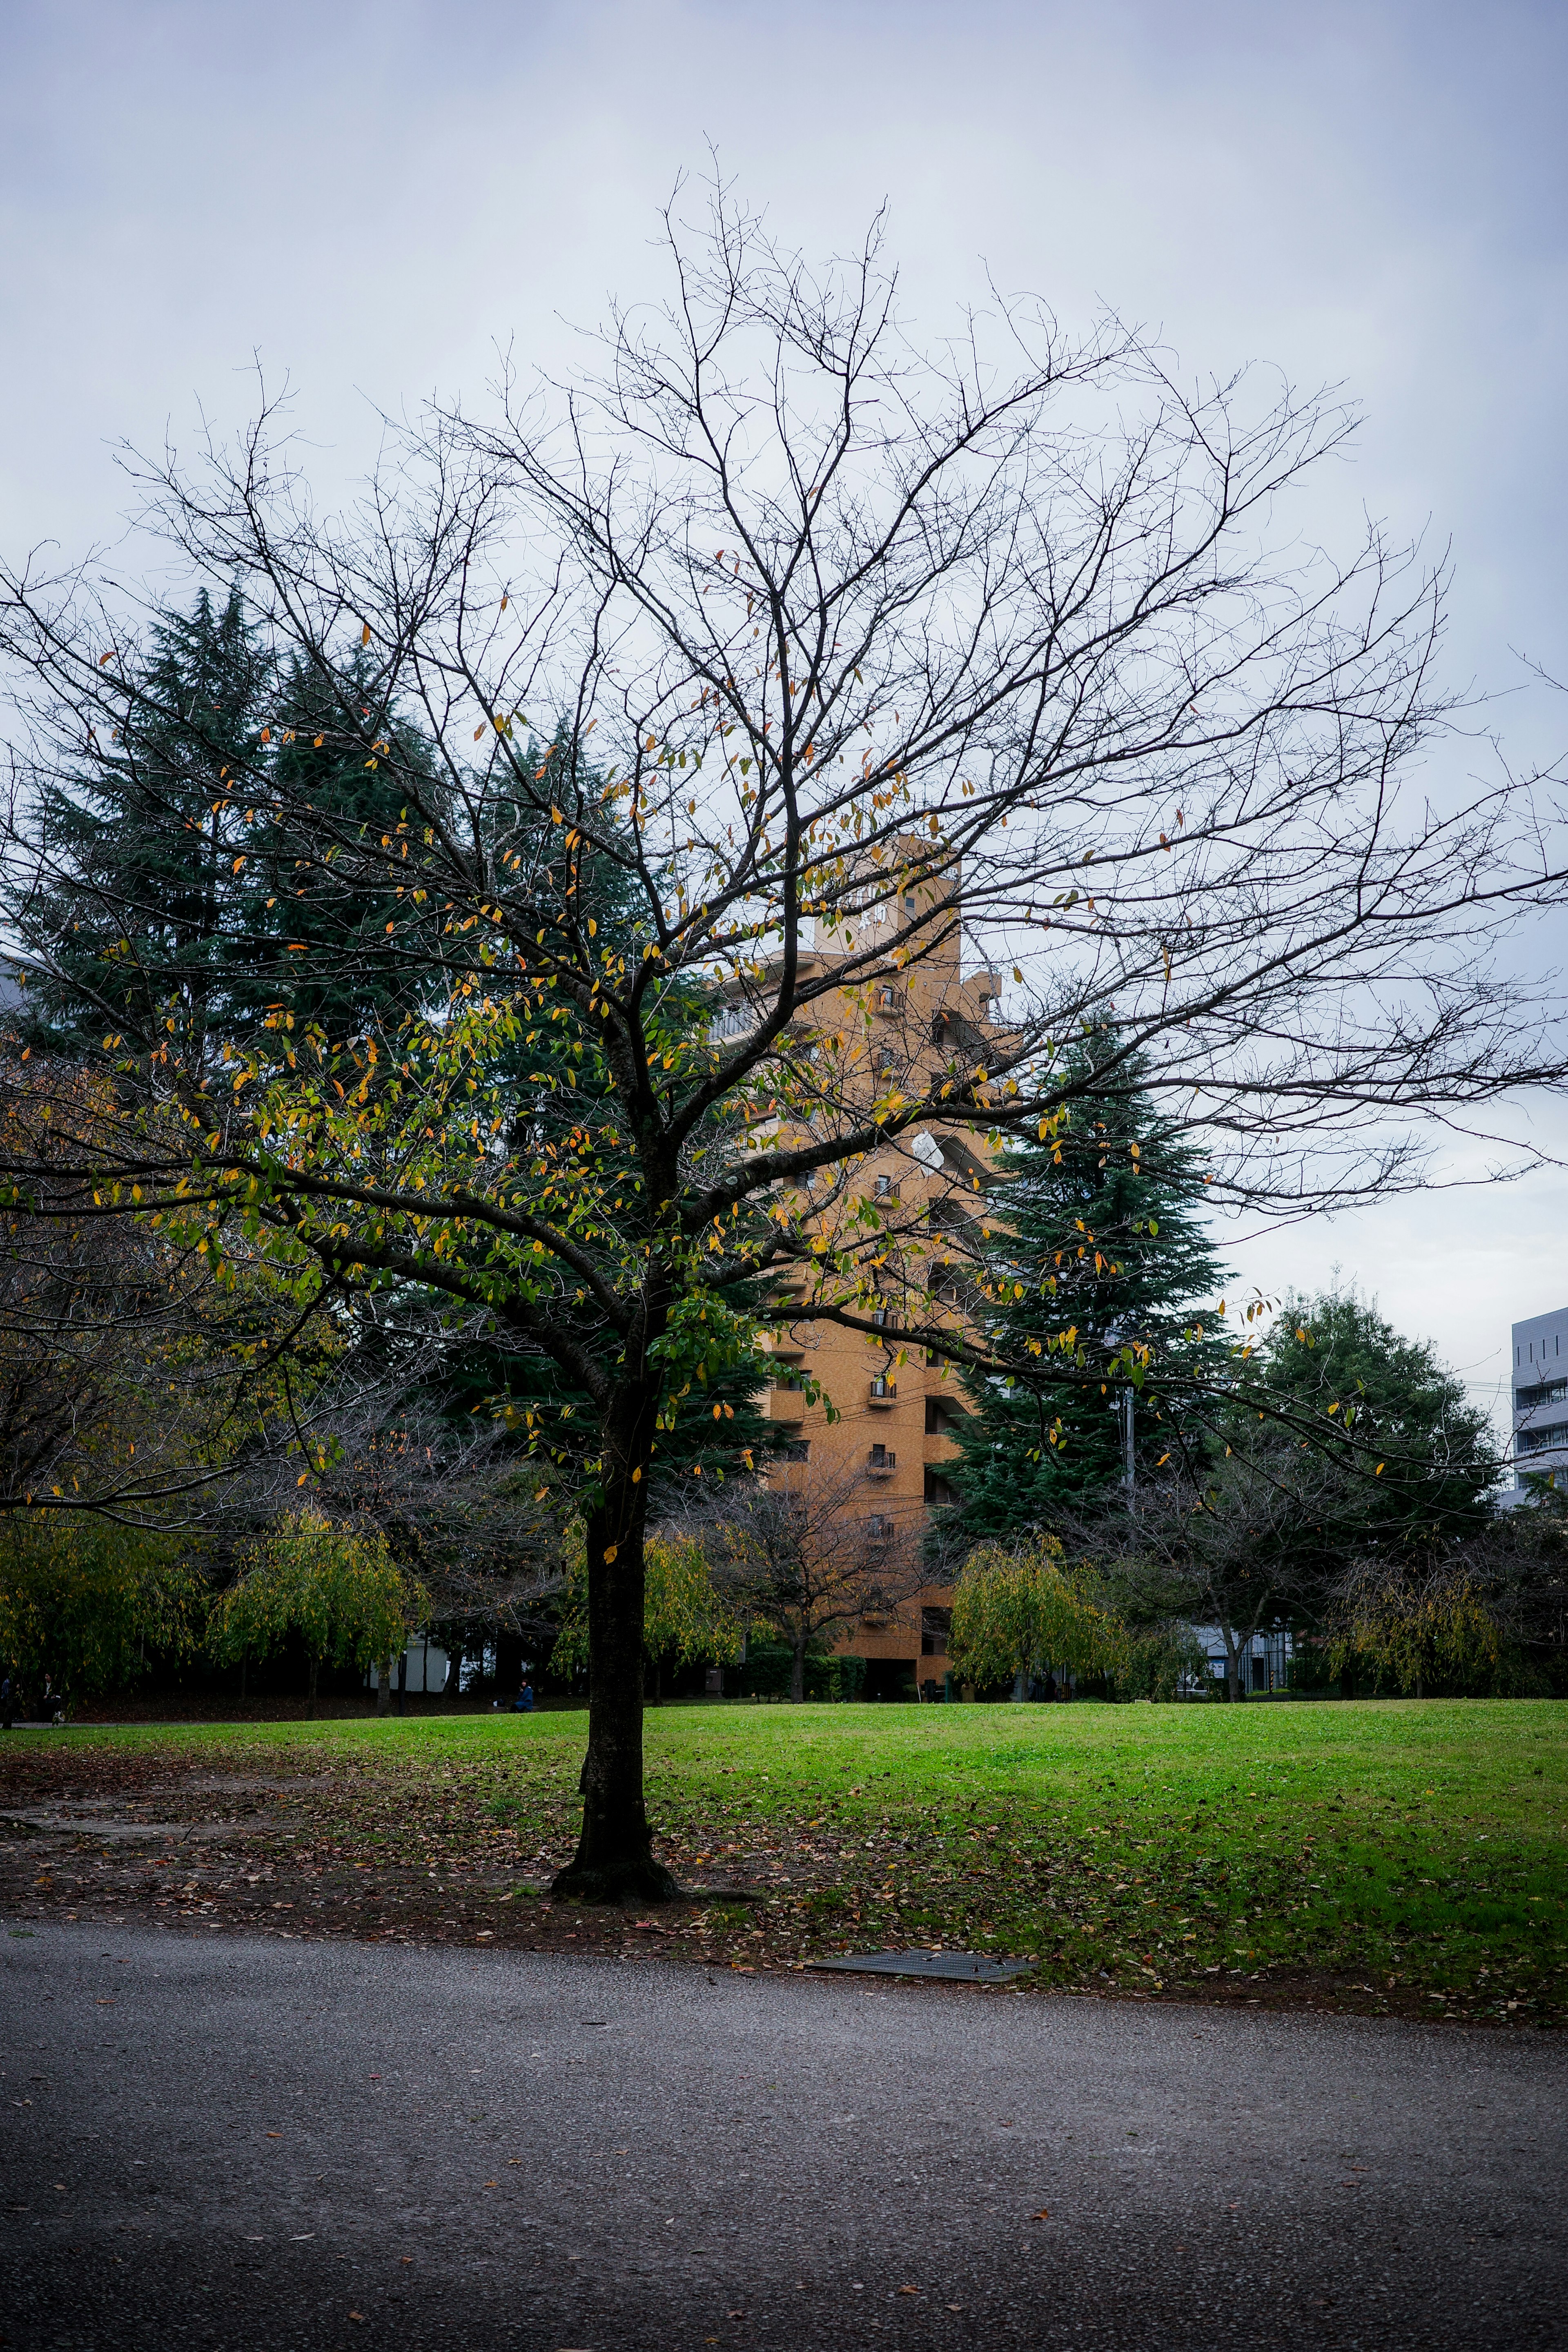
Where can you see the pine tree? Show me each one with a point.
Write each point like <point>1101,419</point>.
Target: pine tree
<point>154,921</point>
<point>1096,1228</point>
<point>188,899</point>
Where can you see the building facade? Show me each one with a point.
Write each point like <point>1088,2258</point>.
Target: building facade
<point>1540,1397</point>
<point>872,1418</point>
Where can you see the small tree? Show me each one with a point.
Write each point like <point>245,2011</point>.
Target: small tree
<point>339,1591</point>
<point>1017,1611</point>
<point>796,1556</point>
<point>685,1615</point>
<point>90,1605</point>
<point>1421,1624</point>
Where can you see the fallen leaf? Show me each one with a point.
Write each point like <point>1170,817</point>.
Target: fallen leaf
<point>357,2315</point>
<point>274,2135</point>
<point>1043,2215</point>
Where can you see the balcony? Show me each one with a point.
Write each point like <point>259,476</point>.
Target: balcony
<point>882,1463</point>
<point>883,1393</point>
<point>786,1405</point>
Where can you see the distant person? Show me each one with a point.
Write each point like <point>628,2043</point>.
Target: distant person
<point>1050,1689</point>
<point>525,1699</point>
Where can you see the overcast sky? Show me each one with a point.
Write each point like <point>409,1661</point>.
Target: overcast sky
<point>372,198</point>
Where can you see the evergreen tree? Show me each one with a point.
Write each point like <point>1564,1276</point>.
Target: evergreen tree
<point>1096,1229</point>
<point>188,899</point>
<point>153,921</point>
<point>1419,1464</point>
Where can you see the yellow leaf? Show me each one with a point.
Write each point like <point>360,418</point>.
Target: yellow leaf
<point>364,635</point>
<point>610,1554</point>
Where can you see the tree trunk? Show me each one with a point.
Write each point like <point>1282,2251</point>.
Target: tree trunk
<point>384,1687</point>
<point>244,1675</point>
<point>614,1862</point>
<point>1021,1686</point>
<point>311,1700</point>
<point>797,1668</point>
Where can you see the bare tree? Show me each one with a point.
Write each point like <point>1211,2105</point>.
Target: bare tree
<point>1237,1544</point>
<point>1014,642</point>
<point>801,1551</point>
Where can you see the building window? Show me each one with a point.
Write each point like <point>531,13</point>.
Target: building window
<point>795,1449</point>
<point>935,1626</point>
<point>936,1418</point>
<point>1541,1441</point>
<point>937,1490</point>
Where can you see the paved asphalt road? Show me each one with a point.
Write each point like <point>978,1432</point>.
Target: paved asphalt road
<point>260,2144</point>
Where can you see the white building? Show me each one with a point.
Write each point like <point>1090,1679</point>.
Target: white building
<point>1265,1657</point>
<point>1540,1397</point>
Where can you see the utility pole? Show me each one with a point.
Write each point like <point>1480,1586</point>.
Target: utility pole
<point>1124,1414</point>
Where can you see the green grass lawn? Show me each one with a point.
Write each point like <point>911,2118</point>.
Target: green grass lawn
<point>1377,1854</point>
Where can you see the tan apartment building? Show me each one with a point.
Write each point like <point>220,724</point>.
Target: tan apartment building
<point>879,1464</point>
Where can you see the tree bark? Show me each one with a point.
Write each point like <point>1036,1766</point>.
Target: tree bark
<point>797,1668</point>
<point>614,1861</point>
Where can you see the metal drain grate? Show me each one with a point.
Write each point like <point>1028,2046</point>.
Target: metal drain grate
<point>959,1968</point>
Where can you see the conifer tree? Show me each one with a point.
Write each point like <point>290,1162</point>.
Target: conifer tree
<point>1098,1226</point>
